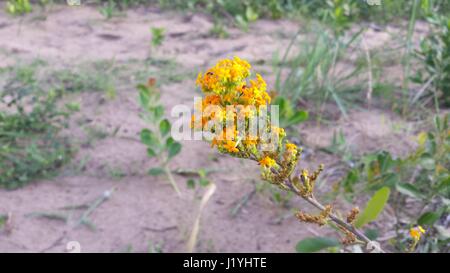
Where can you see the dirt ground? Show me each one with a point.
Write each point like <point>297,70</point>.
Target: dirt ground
<point>144,211</point>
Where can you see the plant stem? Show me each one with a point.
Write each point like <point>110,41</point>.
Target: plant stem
<point>407,56</point>
<point>313,201</point>
<point>338,221</point>
<point>171,180</point>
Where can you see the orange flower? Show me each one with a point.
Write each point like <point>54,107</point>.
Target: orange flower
<point>230,146</point>
<point>211,99</point>
<point>416,233</point>
<point>267,162</point>
<point>214,142</point>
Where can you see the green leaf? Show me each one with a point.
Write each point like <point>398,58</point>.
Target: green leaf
<point>156,171</point>
<point>410,190</point>
<point>444,184</point>
<point>241,22</point>
<point>148,138</point>
<point>158,112</point>
<point>374,207</point>
<point>251,14</point>
<point>190,183</point>
<point>391,180</point>
<point>314,244</point>
<point>202,173</point>
<point>169,141</point>
<point>372,234</point>
<point>350,180</point>
<point>144,97</point>
<point>385,161</point>
<point>164,127</point>
<point>283,106</point>
<point>151,152</point>
<point>174,149</point>
<point>429,218</point>
<point>437,122</point>
<point>203,182</point>
<point>73,106</point>
<point>3,219</point>
<point>297,117</point>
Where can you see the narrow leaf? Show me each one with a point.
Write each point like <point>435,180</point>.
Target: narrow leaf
<point>429,218</point>
<point>156,171</point>
<point>151,152</point>
<point>298,117</point>
<point>374,207</point>
<point>410,190</point>
<point>314,244</point>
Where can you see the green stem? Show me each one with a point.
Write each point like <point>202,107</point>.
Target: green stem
<point>407,56</point>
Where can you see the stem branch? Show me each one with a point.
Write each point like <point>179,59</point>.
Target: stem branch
<point>313,201</point>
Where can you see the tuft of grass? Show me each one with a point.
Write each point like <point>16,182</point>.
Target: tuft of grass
<point>313,72</point>
<point>107,76</point>
<point>407,56</point>
<point>218,30</point>
<point>109,9</point>
<point>434,57</point>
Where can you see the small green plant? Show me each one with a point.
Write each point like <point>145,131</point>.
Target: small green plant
<point>340,14</point>
<point>289,116</point>
<point>337,13</point>
<point>18,7</point>
<point>421,178</point>
<point>30,144</point>
<point>434,55</point>
<point>157,139</point>
<point>3,219</point>
<point>109,9</point>
<point>197,177</point>
<point>218,30</point>
<point>157,36</point>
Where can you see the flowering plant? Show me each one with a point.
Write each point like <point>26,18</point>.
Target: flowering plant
<point>228,113</point>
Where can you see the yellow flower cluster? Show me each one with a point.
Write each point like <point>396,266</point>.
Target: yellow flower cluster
<point>228,79</point>
<point>228,84</point>
<point>267,162</point>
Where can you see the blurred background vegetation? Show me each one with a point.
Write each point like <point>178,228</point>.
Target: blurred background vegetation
<point>307,82</point>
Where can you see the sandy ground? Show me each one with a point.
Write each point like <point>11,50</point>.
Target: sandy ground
<point>144,211</point>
